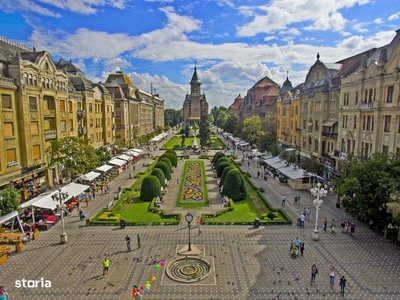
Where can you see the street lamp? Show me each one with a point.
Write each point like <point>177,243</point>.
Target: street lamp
<point>317,192</point>
<point>61,197</point>
<point>189,219</point>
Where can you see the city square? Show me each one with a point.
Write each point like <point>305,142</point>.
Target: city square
<point>246,262</point>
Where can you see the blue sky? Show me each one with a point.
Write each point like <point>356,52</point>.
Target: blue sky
<point>235,43</point>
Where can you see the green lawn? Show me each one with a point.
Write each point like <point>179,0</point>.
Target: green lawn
<point>174,143</point>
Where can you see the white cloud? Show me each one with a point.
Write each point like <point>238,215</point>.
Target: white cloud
<point>269,38</point>
<point>85,7</point>
<point>394,16</point>
<point>279,14</point>
<point>117,64</point>
<point>378,21</point>
<point>26,6</point>
<point>360,27</point>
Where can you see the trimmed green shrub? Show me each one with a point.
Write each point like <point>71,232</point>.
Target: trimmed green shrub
<point>164,167</point>
<point>220,160</point>
<point>172,152</point>
<point>271,215</point>
<point>160,175</point>
<point>167,161</point>
<point>234,186</point>
<point>221,166</point>
<point>224,173</point>
<point>217,156</point>
<point>173,158</point>
<point>151,188</point>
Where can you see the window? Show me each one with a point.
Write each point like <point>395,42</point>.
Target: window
<point>8,128</point>
<point>304,124</point>
<point>34,128</point>
<point>50,103</point>
<point>91,123</point>
<point>11,155</point>
<point>62,105</point>
<point>90,107</point>
<point>70,107</point>
<point>316,125</point>
<point>71,125</point>
<point>385,149</point>
<point>387,124</point>
<point>356,100</point>
<point>297,110</point>
<point>36,151</point>
<point>30,79</point>
<point>390,90</point>
<point>355,122</point>
<point>315,145</point>
<point>32,103</point>
<point>63,126</point>
<point>6,101</point>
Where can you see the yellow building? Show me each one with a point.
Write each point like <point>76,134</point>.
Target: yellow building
<point>288,115</point>
<point>370,103</point>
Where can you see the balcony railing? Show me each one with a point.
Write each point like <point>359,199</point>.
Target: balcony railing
<point>369,105</point>
<point>50,134</point>
<point>330,134</point>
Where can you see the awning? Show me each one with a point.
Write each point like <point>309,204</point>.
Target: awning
<point>329,123</point>
<point>125,157</point>
<point>8,216</point>
<point>117,162</point>
<point>132,153</point>
<point>46,201</point>
<point>104,168</point>
<point>194,118</point>
<point>137,150</point>
<point>90,176</point>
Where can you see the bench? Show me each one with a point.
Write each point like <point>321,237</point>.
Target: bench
<point>3,254</point>
<point>109,205</point>
<point>118,195</point>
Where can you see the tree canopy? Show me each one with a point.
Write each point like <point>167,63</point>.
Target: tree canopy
<point>269,143</point>
<point>252,129</point>
<point>366,185</point>
<point>9,201</point>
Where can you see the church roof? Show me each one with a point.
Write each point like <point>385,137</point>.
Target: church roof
<point>235,105</point>
<point>195,78</point>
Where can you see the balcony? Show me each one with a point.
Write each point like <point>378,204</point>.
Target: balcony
<point>50,134</point>
<point>12,163</point>
<point>82,130</point>
<point>330,134</point>
<point>366,106</point>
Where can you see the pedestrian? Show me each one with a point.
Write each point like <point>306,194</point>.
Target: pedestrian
<point>198,221</point>
<point>136,293</point>
<point>177,181</point>
<point>283,200</point>
<point>94,195</point>
<point>302,220</point>
<point>138,241</point>
<point>314,272</point>
<point>128,242</point>
<point>3,293</point>
<point>87,201</point>
<point>308,213</point>
<point>134,167</point>
<point>295,199</point>
<point>333,226</point>
<point>342,284</point>
<point>342,225</point>
<point>332,275</point>
<point>352,228</point>
<point>325,224</point>
<point>248,164</point>
<point>199,229</point>
<point>346,226</point>
<point>106,265</point>
<point>302,248</point>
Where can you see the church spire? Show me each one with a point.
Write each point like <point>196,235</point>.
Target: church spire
<point>195,78</point>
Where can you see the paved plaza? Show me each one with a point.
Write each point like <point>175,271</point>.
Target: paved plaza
<point>246,262</point>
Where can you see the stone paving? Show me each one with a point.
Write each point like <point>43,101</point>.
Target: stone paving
<point>248,263</point>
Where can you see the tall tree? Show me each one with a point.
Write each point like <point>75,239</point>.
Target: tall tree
<point>230,123</point>
<point>74,153</point>
<point>205,132</point>
<point>173,117</point>
<point>370,185</point>
<point>9,201</point>
<point>252,129</point>
<point>269,143</point>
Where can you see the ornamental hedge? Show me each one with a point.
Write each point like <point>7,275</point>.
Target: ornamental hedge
<point>160,175</point>
<point>221,166</point>
<point>234,186</point>
<point>164,167</point>
<point>167,161</point>
<point>151,188</point>
<point>172,157</point>
<point>221,160</point>
<point>224,173</point>
<point>217,156</point>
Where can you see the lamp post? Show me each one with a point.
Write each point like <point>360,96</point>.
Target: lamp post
<point>189,219</point>
<point>317,192</point>
<point>61,197</point>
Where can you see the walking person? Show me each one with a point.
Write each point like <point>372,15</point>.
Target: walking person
<point>342,284</point>
<point>138,241</point>
<point>308,213</point>
<point>302,248</point>
<point>128,242</point>
<point>87,201</point>
<point>325,224</point>
<point>314,272</point>
<point>177,181</point>
<point>283,200</point>
<point>332,275</point>
<point>106,265</point>
<point>3,293</point>
<point>333,226</point>
<point>352,228</point>
<point>302,217</point>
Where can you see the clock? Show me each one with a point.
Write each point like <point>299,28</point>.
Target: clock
<point>189,217</point>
